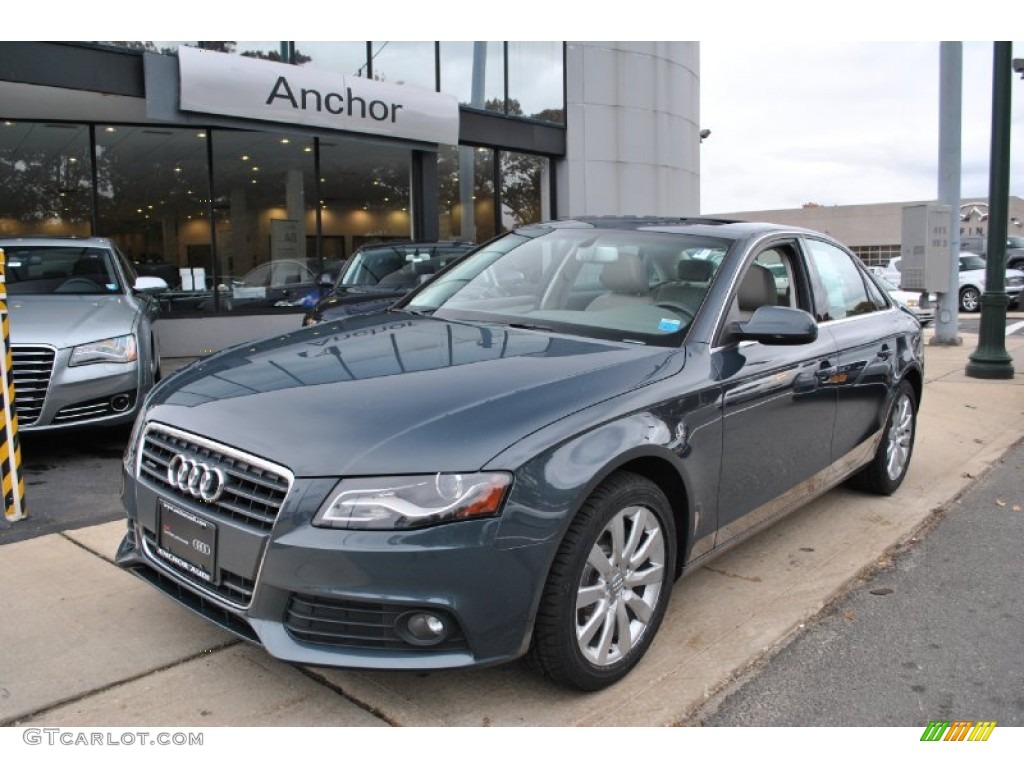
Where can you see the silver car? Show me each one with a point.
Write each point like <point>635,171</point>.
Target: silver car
<point>972,273</point>
<point>81,327</point>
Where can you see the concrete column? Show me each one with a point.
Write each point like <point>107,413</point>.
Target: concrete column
<point>633,130</point>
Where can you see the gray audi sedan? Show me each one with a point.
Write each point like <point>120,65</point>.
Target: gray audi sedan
<point>523,455</point>
<point>81,322</point>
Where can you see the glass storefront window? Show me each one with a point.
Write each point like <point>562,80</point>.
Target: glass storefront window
<point>535,80</point>
<point>466,193</point>
<point>524,189</point>
<point>260,49</point>
<point>365,194</point>
<point>45,179</point>
<point>264,207</point>
<point>153,194</point>
<point>345,58</point>
<point>474,72</point>
<point>404,63</point>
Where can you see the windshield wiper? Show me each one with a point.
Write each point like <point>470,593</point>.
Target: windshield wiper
<point>530,327</point>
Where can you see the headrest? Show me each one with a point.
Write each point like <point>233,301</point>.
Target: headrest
<point>757,289</point>
<point>627,275</point>
<point>695,270</point>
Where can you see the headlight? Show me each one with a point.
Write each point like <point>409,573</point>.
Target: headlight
<point>394,503</point>
<point>133,442</point>
<point>120,349</point>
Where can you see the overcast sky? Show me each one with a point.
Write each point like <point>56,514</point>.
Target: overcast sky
<point>838,123</point>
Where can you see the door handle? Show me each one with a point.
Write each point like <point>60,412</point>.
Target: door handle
<point>825,371</point>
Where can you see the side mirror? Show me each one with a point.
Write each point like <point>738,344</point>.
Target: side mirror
<point>147,284</point>
<point>777,325</point>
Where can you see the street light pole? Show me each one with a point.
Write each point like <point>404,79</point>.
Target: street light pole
<point>950,129</point>
<point>991,360</point>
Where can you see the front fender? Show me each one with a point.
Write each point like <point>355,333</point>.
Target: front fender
<point>676,443</point>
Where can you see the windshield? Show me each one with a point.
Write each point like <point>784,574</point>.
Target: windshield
<point>49,269</point>
<point>1015,242</point>
<point>627,285</point>
<point>397,266</point>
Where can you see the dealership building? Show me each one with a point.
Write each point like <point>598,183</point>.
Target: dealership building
<point>874,231</point>
<point>206,160</point>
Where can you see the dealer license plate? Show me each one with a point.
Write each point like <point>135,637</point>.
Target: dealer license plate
<point>188,541</point>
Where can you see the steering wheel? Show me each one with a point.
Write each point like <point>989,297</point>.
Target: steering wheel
<point>77,285</point>
<point>687,313</point>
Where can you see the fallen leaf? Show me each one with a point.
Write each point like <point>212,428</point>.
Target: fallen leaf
<point>848,615</point>
<point>1016,507</point>
<point>1000,503</point>
<point>979,441</point>
<point>968,475</point>
<point>881,591</point>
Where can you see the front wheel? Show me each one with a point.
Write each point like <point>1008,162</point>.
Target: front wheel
<point>970,299</point>
<point>886,471</point>
<point>608,587</point>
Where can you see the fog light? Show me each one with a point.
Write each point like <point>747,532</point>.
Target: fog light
<point>120,403</point>
<point>421,628</point>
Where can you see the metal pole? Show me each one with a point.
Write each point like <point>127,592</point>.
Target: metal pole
<point>991,360</point>
<point>950,127</point>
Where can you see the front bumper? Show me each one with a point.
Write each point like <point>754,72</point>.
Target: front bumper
<point>51,395</point>
<point>334,597</point>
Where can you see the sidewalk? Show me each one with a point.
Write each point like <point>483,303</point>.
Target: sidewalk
<point>86,644</point>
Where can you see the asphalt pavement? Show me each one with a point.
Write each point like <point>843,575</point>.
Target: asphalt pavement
<point>934,632</point>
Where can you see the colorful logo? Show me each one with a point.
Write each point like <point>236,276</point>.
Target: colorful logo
<point>958,730</point>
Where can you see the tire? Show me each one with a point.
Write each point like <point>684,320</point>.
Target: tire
<point>608,586</point>
<point>970,299</point>
<point>887,469</point>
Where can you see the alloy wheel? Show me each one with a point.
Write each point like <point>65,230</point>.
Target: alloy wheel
<point>619,587</point>
<point>900,438</point>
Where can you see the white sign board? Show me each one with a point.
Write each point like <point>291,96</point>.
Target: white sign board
<point>284,239</point>
<point>225,84</point>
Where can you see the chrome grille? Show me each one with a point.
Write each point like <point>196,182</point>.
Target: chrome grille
<point>33,367</point>
<point>253,489</point>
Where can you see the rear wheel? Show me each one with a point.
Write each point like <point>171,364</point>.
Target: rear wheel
<point>608,587</point>
<point>886,471</point>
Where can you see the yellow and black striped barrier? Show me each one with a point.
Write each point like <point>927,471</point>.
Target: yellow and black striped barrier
<point>10,449</point>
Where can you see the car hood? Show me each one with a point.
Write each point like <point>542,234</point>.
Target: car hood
<point>68,320</point>
<point>396,393</point>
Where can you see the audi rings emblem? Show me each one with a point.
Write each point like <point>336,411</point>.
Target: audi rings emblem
<point>195,478</point>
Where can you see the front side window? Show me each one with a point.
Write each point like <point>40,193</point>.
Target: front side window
<point>845,290</point>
